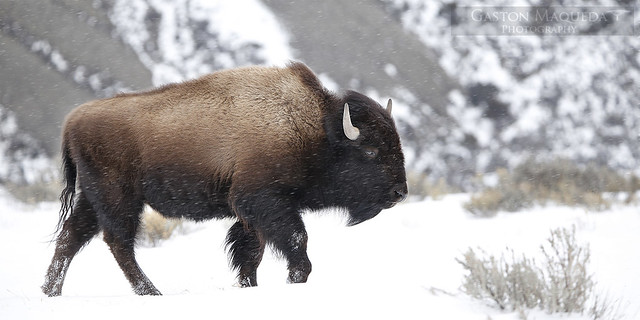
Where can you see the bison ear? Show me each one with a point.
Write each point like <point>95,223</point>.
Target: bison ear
<point>349,130</point>
<point>389,107</point>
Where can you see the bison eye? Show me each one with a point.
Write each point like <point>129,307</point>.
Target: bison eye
<point>370,152</point>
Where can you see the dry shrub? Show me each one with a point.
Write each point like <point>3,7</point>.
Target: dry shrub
<point>559,181</point>
<point>34,193</point>
<point>422,186</point>
<point>156,228</point>
<point>568,284</point>
<point>507,196</point>
<point>604,307</point>
<point>565,182</point>
<point>561,284</point>
<point>509,281</point>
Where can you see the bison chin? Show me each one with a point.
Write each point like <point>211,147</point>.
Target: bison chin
<point>362,214</point>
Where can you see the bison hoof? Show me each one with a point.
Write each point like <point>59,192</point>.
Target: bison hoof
<point>154,292</point>
<point>147,290</point>
<point>51,291</point>
<point>300,272</point>
<point>297,276</point>
<point>247,282</point>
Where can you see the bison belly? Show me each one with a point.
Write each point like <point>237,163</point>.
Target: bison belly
<point>185,195</point>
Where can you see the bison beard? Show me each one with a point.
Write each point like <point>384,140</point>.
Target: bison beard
<point>260,145</point>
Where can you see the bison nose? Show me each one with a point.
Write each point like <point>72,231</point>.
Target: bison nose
<point>400,192</point>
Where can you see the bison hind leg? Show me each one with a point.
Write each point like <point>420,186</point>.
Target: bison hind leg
<point>120,236</point>
<point>77,231</point>
<point>246,248</point>
<point>123,251</point>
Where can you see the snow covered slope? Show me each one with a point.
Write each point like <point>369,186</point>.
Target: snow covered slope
<point>179,40</point>
<point>175,40</point>
<point>21,158</point>
<point>399,265</point>
<point>573,96</point>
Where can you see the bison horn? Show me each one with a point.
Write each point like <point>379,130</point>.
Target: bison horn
<point>389,106</point>
<point>349,130</point>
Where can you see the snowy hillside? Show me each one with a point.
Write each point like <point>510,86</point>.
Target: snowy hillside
<point>179,40</point>
<point>175,40</point>
<point>21,157</point>
<point>575,96</point>
<point>399,265</point>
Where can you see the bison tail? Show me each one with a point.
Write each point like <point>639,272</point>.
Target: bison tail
<point>69,191</point>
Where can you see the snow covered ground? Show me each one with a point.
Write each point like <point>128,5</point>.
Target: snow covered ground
<point>400,265</point>
<point>188,38</point>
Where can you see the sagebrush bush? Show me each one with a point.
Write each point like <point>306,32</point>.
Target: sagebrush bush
<point>34,193</point>
<point>507,196</point>
<point>509,281</point>
<point>561,284</point>
<point>420,185</point>
<point>156,228</point>
<point>560,181</point>
<point>568,284</point>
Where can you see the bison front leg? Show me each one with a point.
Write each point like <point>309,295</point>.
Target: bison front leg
<point>288,235</point>
<point>277,222</point>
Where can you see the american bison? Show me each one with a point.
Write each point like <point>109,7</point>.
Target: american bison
<point>256,144</point>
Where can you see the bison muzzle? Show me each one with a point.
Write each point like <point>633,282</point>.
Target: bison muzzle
<point>259,145</point>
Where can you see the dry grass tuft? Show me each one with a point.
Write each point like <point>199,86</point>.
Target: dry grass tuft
<point>558,181</point>
<point>156,228</point>
<point>421,186</point>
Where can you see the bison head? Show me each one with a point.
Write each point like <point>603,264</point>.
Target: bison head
<point>366,162</point>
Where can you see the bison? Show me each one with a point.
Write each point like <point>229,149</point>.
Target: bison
<point>257,144</point>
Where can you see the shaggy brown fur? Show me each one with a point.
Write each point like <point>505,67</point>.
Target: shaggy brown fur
<point>264,112</point>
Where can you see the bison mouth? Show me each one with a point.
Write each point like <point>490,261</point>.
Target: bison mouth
<point>367,210</point>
